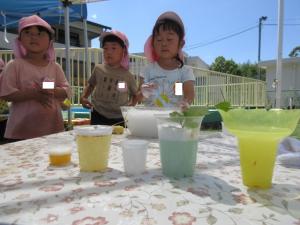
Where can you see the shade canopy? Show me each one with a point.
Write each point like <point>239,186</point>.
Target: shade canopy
<point>50,10</point>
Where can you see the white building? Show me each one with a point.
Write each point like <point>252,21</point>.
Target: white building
<point>196,61</point>
<point>290,81</point>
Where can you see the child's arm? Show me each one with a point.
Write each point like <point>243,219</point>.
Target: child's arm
<point>188,91</point>
<point>30,94</point>
<point>60,93</point>
<point>138,97</point>
<point>84,98</point>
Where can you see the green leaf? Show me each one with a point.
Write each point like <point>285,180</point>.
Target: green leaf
<point>165,97</point>
<point>158,103</point>
<point>225,106</point>
<point>195,111</point>
<point>190,123</point>
<point>185,119</point>
<point>176,117</point>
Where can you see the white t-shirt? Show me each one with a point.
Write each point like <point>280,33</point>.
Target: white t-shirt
<point>165,79</point>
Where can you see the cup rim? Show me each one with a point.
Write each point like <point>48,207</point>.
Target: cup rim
<point>134,142</point>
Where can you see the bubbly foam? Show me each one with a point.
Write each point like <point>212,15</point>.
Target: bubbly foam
<point>93,130</point>
<point>143,122</point>
<point>60,150</point>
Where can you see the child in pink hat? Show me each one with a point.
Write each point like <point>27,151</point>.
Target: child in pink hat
<point>111,84</point>
<point>35,111</point>
<point>168,82</point>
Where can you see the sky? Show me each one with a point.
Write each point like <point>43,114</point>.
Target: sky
<point>235,22</point>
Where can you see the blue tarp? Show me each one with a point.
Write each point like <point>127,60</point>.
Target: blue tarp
<point>50,10</point>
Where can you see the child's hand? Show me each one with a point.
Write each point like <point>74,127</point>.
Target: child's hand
<point>148,89</point>
<point>184,104</point>
<point>86,103</point>
<point>44,98</point>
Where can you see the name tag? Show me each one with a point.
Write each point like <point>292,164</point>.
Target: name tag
<point>122,86</point>
<point>178,89</point>
<point>48,85</point>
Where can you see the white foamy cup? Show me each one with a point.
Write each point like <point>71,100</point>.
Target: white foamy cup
<point>134,156</point>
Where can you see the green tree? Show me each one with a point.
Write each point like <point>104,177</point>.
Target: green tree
<point>225,66</point>
<point>247,69</point>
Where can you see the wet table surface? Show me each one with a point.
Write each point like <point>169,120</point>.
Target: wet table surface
<point>32,192</point>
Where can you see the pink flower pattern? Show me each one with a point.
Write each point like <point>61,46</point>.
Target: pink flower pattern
<point>52,187</point>
<point>91,221</point>
<point>183,218</point>
<point>32,191</point>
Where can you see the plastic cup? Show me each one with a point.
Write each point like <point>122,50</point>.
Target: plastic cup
<point>141,121</point>
<point>178,142</point>
<point>93,144</point>
<point>59,150</point>
<point>259,132</point>
<point>134,156</point>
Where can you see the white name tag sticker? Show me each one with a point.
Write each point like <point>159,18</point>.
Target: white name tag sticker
<point>178,89</point>
<point>121,85</point>
<point>48,85</point>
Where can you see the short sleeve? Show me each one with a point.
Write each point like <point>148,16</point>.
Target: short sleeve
<point>92,80</point>
<point>188,74</point>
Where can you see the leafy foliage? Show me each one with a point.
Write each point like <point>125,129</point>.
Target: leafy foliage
<point>187,117</point>
<point>245,69</point>
<point>225,106</point>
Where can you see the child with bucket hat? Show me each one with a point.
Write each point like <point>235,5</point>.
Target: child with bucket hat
<point>35,110</point>
<point>111,84</point>
<point>168,82</point>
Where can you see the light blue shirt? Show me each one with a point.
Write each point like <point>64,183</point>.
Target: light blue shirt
<point>166,79</point>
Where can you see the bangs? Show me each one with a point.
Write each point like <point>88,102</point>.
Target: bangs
<point>168,25</point>
<point>41,29</point>
<point>112,38</point>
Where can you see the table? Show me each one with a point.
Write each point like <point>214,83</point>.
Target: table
<point>31,192</point>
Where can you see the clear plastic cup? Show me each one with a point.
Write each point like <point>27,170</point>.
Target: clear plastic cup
<point>178,144</point>
<point>259,132</point>
<point>93,144</point>
<point>60,149</point>
<point>134,156</point>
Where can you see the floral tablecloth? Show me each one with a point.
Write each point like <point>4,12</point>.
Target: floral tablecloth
<point>32,192</point>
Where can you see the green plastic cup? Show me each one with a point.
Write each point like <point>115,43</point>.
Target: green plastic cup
<point>259,132</point>
<point>178,142</point>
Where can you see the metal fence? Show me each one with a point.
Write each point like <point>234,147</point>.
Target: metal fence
<point>211,87</point>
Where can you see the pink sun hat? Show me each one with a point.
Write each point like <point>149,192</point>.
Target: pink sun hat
<point>148,47</point>
<point>34,20</point>
<point>122,36</point>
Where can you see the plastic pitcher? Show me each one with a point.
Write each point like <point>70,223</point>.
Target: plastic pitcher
<point>178,142</point>
<point>259,132</point>
<point>93,144</point>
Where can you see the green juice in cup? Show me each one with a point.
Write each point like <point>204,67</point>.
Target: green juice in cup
<point>178,157</point>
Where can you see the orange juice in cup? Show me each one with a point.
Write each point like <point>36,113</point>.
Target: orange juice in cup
<point>59,150</point>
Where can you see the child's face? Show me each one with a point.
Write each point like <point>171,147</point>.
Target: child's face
<point>166,44</point>
<point>113,53</point>
<point>34,41</point>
